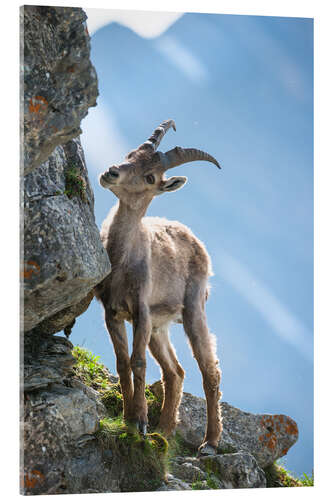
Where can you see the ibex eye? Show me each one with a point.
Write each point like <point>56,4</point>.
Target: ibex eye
<point>150,179</point>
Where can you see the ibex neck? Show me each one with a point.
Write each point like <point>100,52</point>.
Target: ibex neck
<point>125,234</point>
<point>130,215</point>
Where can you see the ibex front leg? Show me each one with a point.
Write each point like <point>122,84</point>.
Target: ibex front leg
<point>118,336</point>
<point>141,336</point>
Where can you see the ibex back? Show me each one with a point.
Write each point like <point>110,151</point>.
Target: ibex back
<point>159,274</point>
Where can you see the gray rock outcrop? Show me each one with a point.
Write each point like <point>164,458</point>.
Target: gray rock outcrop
<point>266,437</point>
<point>47,360</point>
<point>63,258</point>
<point>236,470</point>
<point>188,469</point>
<point>229,471</point>
<point>174,484</point>
<point>63,255</point>
<point>59,82</point>
<point>62,454</point>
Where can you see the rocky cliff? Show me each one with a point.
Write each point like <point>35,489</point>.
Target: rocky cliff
<point>63,258</point>
<point>73,440</point>
<point>76,442</point>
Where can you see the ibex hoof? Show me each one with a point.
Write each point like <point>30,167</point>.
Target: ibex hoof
<point>206,449</point>
<point>141,427</point>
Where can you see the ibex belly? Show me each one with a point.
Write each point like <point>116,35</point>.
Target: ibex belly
<point>162,309</point>
<point>162,314</point>
<point>166,301</point>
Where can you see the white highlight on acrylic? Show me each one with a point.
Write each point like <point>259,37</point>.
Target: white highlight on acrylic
<point>144,23</point>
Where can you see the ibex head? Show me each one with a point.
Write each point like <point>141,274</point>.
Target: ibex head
<point>141,176</point>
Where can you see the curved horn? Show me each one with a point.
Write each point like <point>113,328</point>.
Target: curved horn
<point>178,156</point>
<point>158,134</point>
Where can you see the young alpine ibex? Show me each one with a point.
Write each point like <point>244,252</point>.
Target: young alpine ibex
<point>159,274</point>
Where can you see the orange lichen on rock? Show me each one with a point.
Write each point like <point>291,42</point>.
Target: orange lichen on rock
<point>276,428</point>
<point>291,428</point>
<point>30,267</point>
<point>71,68</point>
<point>267,420</point>
<point>37,104</point>
<point>263,421</point>
<point>272,443</point>
<point>33,477</point>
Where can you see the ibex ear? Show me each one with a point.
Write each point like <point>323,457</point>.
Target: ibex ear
<point>172,184</point>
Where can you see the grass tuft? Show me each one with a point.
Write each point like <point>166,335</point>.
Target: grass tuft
<point>88,369</point>
<point>75,184</point>
<point>279,477</point>
<point>307,480</point>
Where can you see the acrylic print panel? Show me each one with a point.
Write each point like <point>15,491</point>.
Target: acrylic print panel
<point>96,84</point>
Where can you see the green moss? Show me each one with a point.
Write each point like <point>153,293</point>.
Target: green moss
<point>159,442</point>
<point>113,400</point>
<point>75,184</point>
<point>210,483</point>
<point>278,477</point>
<point>154,408</point>
<point>146,457</point>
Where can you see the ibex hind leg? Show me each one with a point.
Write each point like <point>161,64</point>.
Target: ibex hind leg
<point>172,377</point>
<point>203,346</point>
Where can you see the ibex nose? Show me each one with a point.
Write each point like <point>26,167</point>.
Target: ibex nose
<point>114,172</point>
<point>109,177</point>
